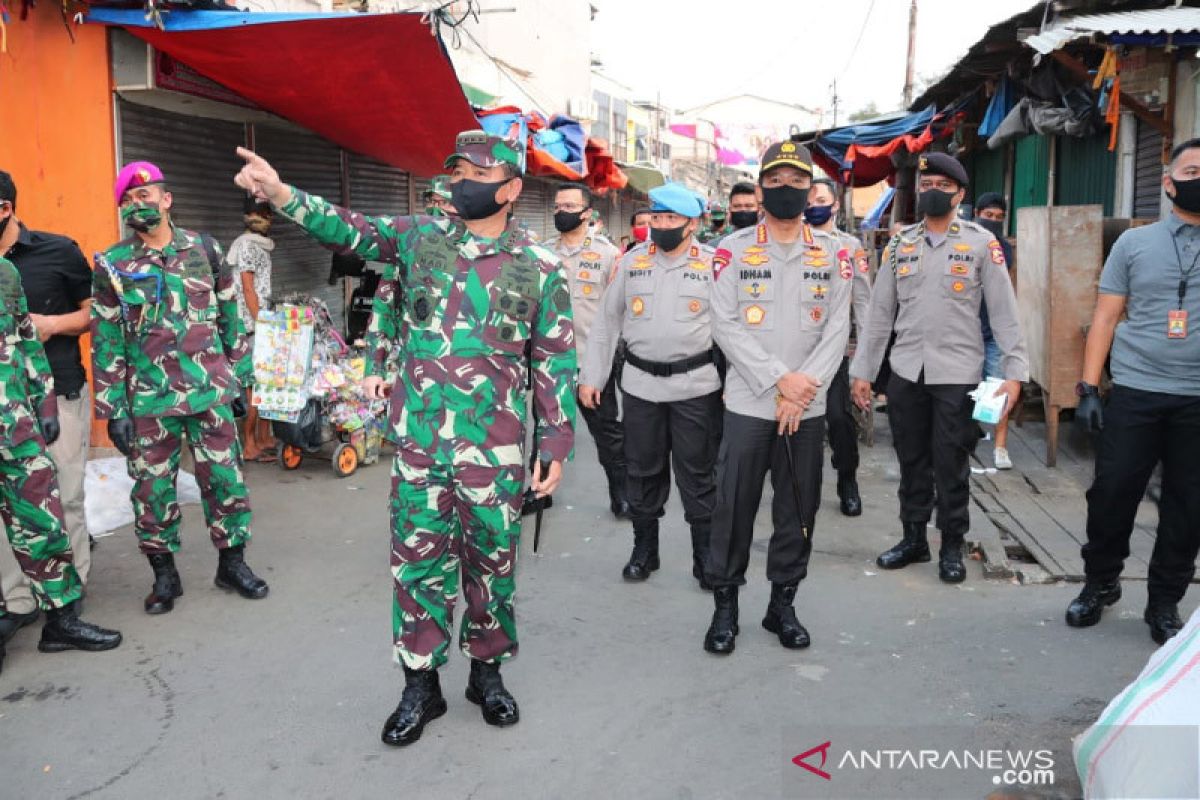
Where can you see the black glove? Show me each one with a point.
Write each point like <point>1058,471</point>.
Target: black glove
<point>50,429</point>
<point>121,433</point>
<point>1089,414</point>
<point>238,406</point>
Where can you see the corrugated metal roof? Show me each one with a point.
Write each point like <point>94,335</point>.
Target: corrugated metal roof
<point>1161,20</point>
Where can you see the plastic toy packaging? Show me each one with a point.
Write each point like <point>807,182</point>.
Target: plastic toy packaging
<point>989,407</point>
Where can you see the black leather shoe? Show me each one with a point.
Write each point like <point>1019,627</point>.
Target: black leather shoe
<point>235,575</point>
<point>912,549</point>
<point>421,703</point>
<point>644,558</point>
<point>1164,621</point>
<point>64,630</point>
<point>167,584</point>
<point>722,632</point>
<point>781,618</point>
<point>486,689</point>
<point>11,623</point>
<point>950,560</point>
<point>1085,609</point>
<point>847,489</point>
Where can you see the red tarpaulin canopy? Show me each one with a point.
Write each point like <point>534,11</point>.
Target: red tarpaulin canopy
<point>377,84</point>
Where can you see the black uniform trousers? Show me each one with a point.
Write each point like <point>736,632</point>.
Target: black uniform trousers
<point>749,448</point>
<point>934,436</point>
<point>839,418</point>
<point>1140,430</point>
<point>604,424</point>
<point>683,431</point>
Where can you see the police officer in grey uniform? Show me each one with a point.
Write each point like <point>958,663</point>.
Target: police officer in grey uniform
<point>821,214</point>
<point>781,315</point>
<point>590,261</point>
<point>931,280</point>
<point>659,303</point>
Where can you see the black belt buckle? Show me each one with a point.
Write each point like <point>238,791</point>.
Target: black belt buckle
<point>75,395</point>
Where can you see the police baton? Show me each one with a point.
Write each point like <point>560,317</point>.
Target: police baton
<point>791,459</point>
<point>537,520</point>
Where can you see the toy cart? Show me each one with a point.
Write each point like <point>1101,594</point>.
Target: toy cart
<point>346,449</point>
<point>333,419</point>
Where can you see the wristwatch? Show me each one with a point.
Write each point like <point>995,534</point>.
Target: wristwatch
<point>1084,389</point>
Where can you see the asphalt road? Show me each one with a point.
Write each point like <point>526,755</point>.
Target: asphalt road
<point>285,697</point>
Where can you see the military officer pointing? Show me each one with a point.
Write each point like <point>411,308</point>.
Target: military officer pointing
<point>781,315</point>
<point>459,301</point>
<point>169,358</point>
<point>659,303</point>
<point>29,499</point>
<point>932,278</point>
<point>589,260</point>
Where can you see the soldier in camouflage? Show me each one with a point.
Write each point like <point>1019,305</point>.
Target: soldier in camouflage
<point>458,303</point>
<point>29,499</point>
<point>169,358</point>
<point>437,197</point>
<point>716,227</point>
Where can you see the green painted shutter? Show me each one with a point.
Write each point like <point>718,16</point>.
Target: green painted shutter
<point>1085,172</point>
<point>1029,177</point>
<point>987,172</point>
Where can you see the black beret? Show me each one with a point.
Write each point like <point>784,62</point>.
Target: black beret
<point>991,200</point>
<point>943,164</point>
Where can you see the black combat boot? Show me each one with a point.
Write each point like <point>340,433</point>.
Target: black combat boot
<point>235,575</point>
<point>913,548</point>
<point>167,584</point>
<point>781,617</point>
<point>618,501</point>
<point>10,623</point>
<point>64,630</point>
<point>950,559</point>
<point>700,536</point>
<point>1085,609</point>
<point>723,631</point>
<point>1163,619</point>
<point>421,703</point>
<point>847,490</point>
<point>486,689</point>
<point>644,558</point>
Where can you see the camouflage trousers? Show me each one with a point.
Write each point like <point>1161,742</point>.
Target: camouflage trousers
<point>452,520</point>
<point>154,467</point>
<point>32,513</point>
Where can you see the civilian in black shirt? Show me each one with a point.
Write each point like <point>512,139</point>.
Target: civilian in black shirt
<point>58,288</point>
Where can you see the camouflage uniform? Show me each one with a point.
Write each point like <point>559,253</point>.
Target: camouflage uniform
<point>169,350</point>
<point>454,312</point>
<point>29,500</point>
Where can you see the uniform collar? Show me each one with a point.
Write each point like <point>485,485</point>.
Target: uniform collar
<point>472,246</point>
<point>1177,225</point>
<point>24,235</point>
<point>807,236</point>
<point>562,248</point>
<point>180,240</point>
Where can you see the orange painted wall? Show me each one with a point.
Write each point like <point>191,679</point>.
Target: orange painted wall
<point>56,128</point>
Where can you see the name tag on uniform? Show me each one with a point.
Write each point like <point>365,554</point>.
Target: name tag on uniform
<point>1177,324</point>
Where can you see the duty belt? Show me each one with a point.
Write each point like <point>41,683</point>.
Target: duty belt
<point>665,369</point>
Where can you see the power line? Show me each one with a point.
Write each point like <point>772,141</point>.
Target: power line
<point>858,41</point>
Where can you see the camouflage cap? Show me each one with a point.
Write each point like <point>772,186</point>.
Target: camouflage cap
<point>717,207</point>
<point>440,186</point>
<point>487,150</point>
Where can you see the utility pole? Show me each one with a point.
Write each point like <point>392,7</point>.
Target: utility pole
<point>912,54</point>
<point>835,103</point>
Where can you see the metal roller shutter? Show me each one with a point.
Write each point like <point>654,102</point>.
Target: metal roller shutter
<point>1147,172</point>
<point>376,188</point>
<point>314,165</point>
<point>198,160</point>
<point>533,207</point>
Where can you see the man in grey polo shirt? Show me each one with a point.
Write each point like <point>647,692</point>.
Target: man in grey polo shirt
<point>1152,277</point>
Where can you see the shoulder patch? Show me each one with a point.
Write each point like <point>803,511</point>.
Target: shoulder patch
<point>997,253</point>
<point>721,259</point>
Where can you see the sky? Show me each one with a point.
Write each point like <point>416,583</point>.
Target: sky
<point>789,50</point>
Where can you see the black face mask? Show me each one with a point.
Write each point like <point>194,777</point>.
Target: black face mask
<point>785,202</point>
<point>668,238</point>
<point>993,226</point>
<point>718,223</point>
<point>1187,195</point>
<point>743,219</point>
<point>566,221</point>
<point>935,203</point>
<point>476,199</point>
